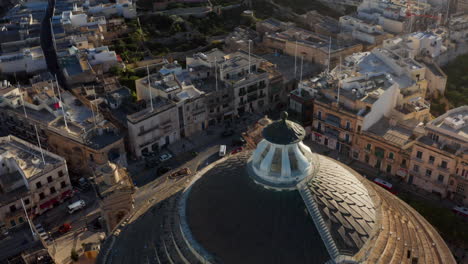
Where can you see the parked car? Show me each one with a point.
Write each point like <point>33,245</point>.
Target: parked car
<point>76,206</point>
<point>236,150</point>
<point>164,157</point>
<point>222,150</point>
<point>65,228</point>
<point>180,173</point>
<point>386,185</point>
<point>459,210</point>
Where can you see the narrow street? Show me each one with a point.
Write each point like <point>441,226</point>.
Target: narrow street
<point>48,46</point>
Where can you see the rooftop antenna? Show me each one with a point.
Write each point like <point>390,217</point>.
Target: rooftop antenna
<point>149,88</point>
<point>22,102</point>
<point>295,61</point>
<point>448,9</point>
<point>329,50</point>
<point>216,74</point>
<point>339,76</point>
<point>249,54</point>
<point>39,143</point>
<point>92,110</point>
<point>29,221</point>
<point>302,64</point>
<point>61,104</point>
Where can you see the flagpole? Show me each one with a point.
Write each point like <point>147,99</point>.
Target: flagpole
<point>63,107</point>
<point>27,218</point>
<point>22,102</point>
<point>39,143</point>
<point>149,88</point>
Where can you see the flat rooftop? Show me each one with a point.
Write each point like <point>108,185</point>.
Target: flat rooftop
<point>285,65</point>
<point>26,156</point>
<point>455,122</point>
<point>396,135</point>
<point>160,104</point>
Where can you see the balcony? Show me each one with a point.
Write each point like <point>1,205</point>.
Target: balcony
<point>251,98</point>
<point>146,131</point>
<point>335,123</point>
<point>444,169</point>
<point>252,89</point>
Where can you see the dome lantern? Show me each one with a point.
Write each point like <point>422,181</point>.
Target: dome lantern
<point>281,160</point>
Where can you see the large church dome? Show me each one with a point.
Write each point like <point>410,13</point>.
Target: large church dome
<point>281,203</point>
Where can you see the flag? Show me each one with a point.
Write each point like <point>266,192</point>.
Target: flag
<point>56,105</point>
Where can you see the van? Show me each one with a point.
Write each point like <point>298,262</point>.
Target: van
<point>222,150</point>
<point>76,206</point>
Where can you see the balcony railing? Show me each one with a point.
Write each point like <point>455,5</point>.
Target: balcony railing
<point>146,131</point>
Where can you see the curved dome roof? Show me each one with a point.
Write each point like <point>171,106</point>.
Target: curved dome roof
<point>284,132</point>
<point>348,219</point>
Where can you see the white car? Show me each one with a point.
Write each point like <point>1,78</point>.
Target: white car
<point>459,210</point>
<point>165,157</point>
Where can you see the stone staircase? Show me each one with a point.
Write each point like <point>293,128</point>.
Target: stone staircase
<point>171,246</point>
<point>318,221</point>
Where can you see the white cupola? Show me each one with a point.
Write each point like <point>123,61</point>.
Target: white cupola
<point>281,160</point>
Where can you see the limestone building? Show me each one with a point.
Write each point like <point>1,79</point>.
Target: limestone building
<point>439,158</point>
<point>30,176</point>
<point>84,138</point>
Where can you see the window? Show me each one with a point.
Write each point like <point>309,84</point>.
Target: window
<point>21,220</point>
<point>52,190</point>
<point>60,174</point>
<point>276,162</point>
<point>443,164</point>
<point>13,208</point>
<point>391,155</point>
<point>319,115</point>
<point>366,158</point>
<point>12,222</point>
<point>348,125</point>
<point>41,196</point>
<point>440,178</point>
<point>431,159</point>
<point>26,201</point>
<point>419,155</point>
<point>379,152</point>
<point>428,173</point>
<point>389,168</point>
<point>358,129</point>
<point>63,184</point>
<point>91,157</point>
<point>369,146</point>
<point>38,184</point>
<point>460,188</point>
<point>49,179</point>
<point>403,162</point>
<point>416,168</point>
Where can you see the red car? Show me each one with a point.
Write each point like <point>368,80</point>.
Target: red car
<point>236,150</point>
<point>65,228</point>
<point>386,185</point>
